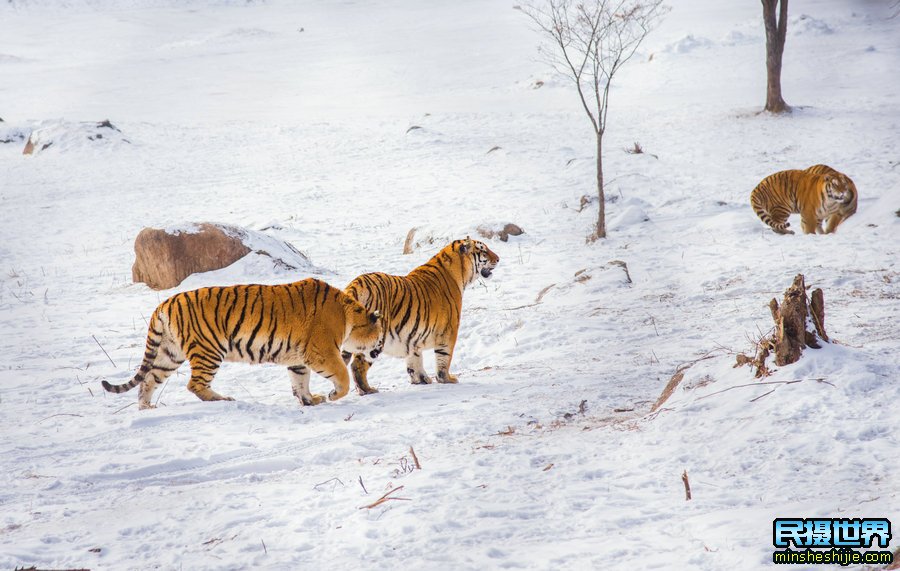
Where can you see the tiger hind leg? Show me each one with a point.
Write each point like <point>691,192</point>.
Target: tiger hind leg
<point>203,370</point>
<point>416,369</point>
<point>360,368</point>
<point>165,362</point>
<point>777,219</point>
<point>443,354</point>
<point>300,385</point>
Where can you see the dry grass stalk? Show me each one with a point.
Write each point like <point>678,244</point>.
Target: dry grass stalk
<point>675,381</point>
<point>415,458</point>
<point>687,486</point>
<point>542,293</point>
<point>385,498</point>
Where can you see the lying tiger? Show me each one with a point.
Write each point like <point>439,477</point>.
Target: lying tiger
<point>421,310</point>
<point>302,325</point>
<point>818,193</point>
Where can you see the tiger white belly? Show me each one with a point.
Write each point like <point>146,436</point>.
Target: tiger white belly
<point>396,348</point>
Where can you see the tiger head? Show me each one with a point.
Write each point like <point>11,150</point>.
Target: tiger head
<point>483,259</point>
<point>839,188</point>
<point>366,332</point>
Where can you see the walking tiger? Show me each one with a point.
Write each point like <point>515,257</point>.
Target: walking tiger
<point>421,310</point>
<point>303,325</point>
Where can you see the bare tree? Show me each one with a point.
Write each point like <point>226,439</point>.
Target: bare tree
<point>775,20</point>
<point>590,41</point>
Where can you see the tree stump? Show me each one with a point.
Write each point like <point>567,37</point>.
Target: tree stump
<point>799,323</point>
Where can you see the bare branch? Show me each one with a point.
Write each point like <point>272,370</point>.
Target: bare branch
<point>589,41</point>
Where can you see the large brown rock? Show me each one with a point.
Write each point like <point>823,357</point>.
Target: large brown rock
<point>165,258</point>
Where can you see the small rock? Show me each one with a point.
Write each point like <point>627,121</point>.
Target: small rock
<point>490,231</point>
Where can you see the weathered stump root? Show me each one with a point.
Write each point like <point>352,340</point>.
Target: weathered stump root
<point>799,323</point>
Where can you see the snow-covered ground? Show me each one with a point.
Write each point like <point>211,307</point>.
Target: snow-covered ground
<point>294,118</point>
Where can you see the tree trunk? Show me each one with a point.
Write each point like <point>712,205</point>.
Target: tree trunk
<point>601,210</point>
<point>776,31</point>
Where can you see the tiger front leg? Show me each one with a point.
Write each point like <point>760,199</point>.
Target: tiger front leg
<point>334,369</point>
<point>300,386</point>
<point>416,368</point>
<point>360,368</point>
<point>809,223</point>
<point>833,223</point>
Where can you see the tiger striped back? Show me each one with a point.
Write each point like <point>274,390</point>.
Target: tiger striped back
<point>421,310</point>
<point>301,325</point>
<point>818,193</point>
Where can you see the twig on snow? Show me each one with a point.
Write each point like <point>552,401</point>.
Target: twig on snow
<point>123,408</point>
<point>60,414</point>
<point>415,458</point>
<point>328,481</point>
<point>687,486</point>
<point>104,350</point>
<point>763,383</point>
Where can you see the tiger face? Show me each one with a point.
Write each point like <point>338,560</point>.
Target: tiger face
<point>366,333</point>
<point>484,260</point>
<point>839,189</point>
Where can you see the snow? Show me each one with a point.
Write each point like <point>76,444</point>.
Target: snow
<point>235,115</point>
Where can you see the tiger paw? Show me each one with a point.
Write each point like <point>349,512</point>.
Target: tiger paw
<point>422,379</point>
<point>312,400</point>
<point>334,395</point>
<point>447,378</point>
<point>366,390</point>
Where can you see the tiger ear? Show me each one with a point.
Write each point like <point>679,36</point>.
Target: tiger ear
<point>373,317</point>
<point>466,246</point>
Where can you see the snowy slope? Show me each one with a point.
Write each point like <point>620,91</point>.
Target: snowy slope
<point>294,117</point>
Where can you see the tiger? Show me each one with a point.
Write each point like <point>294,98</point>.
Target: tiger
<point>818,193</point>
<point>303,325</point>
<point>421,310</point>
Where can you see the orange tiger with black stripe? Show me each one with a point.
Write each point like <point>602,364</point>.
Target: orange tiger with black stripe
<point>818,193</point>
<point>421,310</point>
<point>303,325</point>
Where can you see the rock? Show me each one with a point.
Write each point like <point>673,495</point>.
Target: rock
<point>163,259</point>
<point>423,237</point>
<point>490,231</point>
<point>408,243</point>
<point>71,135</point>
<point>9,134</point>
